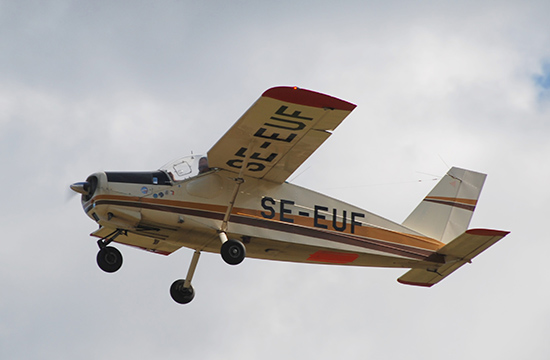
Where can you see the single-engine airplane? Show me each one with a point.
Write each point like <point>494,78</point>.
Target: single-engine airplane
<point>235,201</point>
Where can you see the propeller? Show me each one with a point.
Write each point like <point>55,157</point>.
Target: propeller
<point>81,187</point>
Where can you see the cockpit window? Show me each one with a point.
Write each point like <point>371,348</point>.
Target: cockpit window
<point>186,167</point>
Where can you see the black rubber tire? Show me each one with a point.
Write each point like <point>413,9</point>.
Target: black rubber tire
<point>233,252</point>
<point>109,259</point>
<point>180,294</point>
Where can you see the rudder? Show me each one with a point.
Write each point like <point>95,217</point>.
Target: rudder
<point>447,210</point>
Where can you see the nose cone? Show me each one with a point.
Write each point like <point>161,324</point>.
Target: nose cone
<point>81,187</point>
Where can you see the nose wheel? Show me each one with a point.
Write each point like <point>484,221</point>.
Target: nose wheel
<point>181,290</point>
<point>180,293</point>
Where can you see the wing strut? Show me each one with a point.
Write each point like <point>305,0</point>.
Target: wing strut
<point>233,251</point>
<point>238,181</point>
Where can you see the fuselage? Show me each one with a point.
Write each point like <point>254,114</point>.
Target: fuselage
<point>275,221</point>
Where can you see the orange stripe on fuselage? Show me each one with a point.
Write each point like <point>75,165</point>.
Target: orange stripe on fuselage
<point>363,231</point>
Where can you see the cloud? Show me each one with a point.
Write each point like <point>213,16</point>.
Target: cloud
<point>129,86</point>
<point>542,83</point>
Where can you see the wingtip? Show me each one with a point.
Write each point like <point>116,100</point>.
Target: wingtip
<point>487,232</point>
<point>297,95</point>
<point>412,283</point>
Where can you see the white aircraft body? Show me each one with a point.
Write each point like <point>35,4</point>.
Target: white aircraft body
<point>235,201</point>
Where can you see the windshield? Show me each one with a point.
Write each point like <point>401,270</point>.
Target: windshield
<point>186,167</point>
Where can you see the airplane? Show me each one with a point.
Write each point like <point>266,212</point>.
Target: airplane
<point>235,201</point>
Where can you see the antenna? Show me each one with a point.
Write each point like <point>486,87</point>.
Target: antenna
<point>441,158</point>
<point>300,173</point>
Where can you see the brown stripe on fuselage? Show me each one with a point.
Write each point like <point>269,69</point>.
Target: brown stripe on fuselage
<point>342,238</point>
<point>359,230</point>
<point>365,236</point>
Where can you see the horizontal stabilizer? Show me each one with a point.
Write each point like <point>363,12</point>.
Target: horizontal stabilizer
<point>457,253</point>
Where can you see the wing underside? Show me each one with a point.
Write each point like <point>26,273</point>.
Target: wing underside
<point>146,241</point>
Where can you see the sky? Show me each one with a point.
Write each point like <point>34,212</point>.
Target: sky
<point>130,85</point>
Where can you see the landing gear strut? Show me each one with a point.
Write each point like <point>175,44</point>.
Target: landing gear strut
<point>181,290</point>
<point>109,259</point>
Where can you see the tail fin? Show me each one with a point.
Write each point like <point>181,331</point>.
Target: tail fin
<point>447,210</point>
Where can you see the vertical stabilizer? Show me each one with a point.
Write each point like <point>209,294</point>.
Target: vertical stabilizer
<point>447,210</point>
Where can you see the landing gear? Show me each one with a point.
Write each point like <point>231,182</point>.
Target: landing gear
<point>109,259</point>
<point>181,290</point>
<point>180,293</point>
<point>233,252</point>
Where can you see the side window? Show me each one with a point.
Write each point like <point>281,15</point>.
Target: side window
<point>186,167</point>
<point>182,168</point>
<point>203,165</point>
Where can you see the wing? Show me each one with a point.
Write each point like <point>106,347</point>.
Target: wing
<point>278,133</point>
<point>157,244</point>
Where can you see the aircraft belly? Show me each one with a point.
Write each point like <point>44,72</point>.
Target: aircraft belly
<point>266,249</point>
<point>296,239</point>
<point>283,246</point>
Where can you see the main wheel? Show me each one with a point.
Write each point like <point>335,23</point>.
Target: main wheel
<point>109,259</point>
<point>233,252</point>
<point>181,294</point>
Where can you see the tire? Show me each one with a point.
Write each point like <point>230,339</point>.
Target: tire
<point>180,294</point>
<point>233,252</point>
<point>109,259</point>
